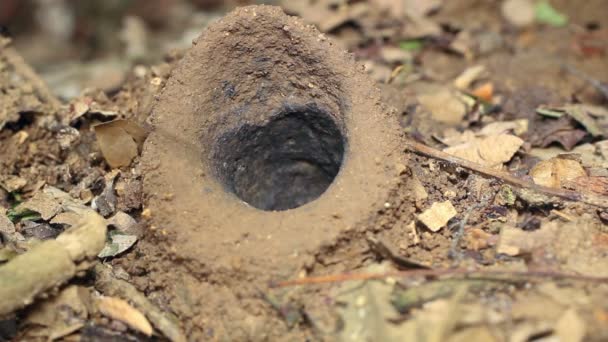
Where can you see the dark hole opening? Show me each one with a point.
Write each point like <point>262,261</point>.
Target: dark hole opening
<point>284,164</point>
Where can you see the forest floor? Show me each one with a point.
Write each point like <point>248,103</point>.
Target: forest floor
<point>498,231</point>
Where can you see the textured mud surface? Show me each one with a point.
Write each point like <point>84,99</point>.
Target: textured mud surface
<point>288,122</point>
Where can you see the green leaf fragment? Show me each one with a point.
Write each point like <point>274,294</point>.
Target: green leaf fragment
<point>546,14</point>
<point>411,45</point>
<point>583,114</point>
<point>552,113</point>
<point>22,215</point>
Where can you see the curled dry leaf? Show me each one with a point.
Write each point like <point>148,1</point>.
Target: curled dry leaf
<point>438,215</point>
<point>120,310</point>
<point>518,127</point>
<point>119,141</point>
<point>491,151</point>
<point>555,172</point>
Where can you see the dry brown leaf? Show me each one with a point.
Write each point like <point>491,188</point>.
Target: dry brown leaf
<point>12,183</point>
<point>43,203</point>
<point>478,239</point>
<point>62,314</point>
<point>120,310</point>
<point>6,226</point>
<point>492,151</point>
<point>570,327</point>
<point>519,13</point>
<point>445,106</point>
<point>452,137</point>
<point>410,8</point>
<point>119,141</point>
<point>438,215</point>
<point>555,172</point>
<point>518,127</point>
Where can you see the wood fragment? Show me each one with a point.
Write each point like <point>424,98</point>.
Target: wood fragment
<point>463,272</point>
<point>51,263</point>
<point>591,199</point>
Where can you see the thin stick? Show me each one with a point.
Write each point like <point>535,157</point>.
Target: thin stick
<point>21,67</point>
<point>336,278</point>
<point>569,195</point>
<point>602,88</point>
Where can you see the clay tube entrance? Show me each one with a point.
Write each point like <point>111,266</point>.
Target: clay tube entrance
<point>286,162</point>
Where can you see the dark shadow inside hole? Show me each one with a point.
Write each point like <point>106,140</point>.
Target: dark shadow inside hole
<point>284,164</point>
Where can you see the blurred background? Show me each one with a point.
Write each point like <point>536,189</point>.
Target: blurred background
<point>77,44</point>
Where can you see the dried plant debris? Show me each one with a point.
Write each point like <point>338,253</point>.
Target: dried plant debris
<point>492,151</point>
<point>60,315</point>
<point>555,172</point>
<point>444,104</point>
<point>593,118</point>
<point>124,223</point>
<point>7,229</point>
<point>117,243</point>
<point>367,309</point>
<point>120,141</point>
<point>520,13</point>
<point>105,203</point>
<point>438,215</point>
<point>52,262</point>
<point>109,285</point>
<point>574,246</point>
<point>119,309</point>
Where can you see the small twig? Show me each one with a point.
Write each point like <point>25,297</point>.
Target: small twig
<point>336,278</point>
<point>602,88</point>
<point>25,70</point>
<point>569,195</point>
<point>454,253</point>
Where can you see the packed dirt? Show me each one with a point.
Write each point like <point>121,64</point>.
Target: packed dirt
<point>445,180</point>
